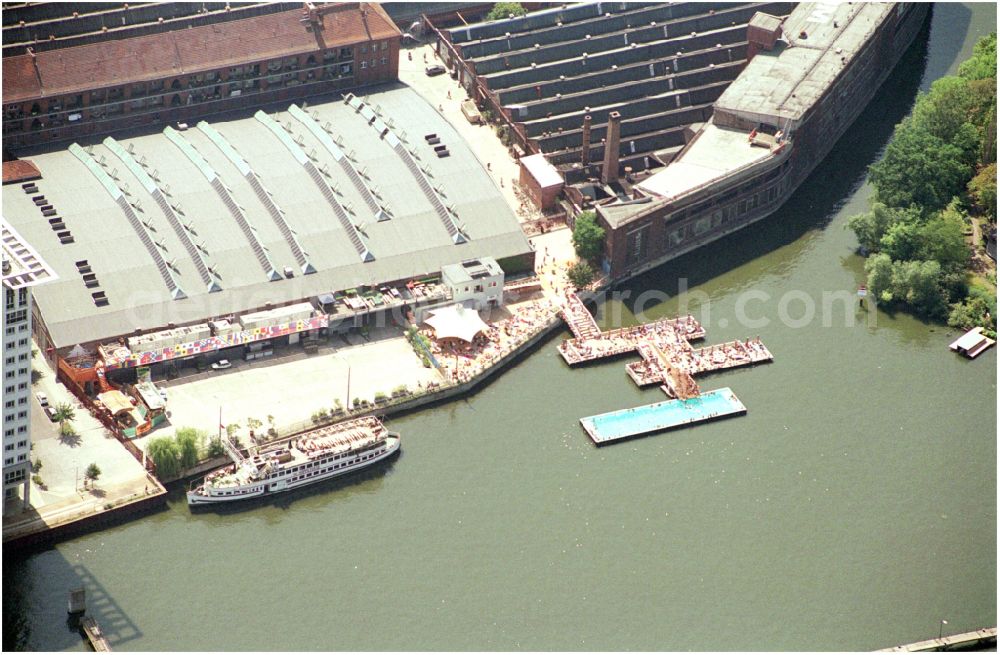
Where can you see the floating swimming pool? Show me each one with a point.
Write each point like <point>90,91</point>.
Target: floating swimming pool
<point>625,423</point>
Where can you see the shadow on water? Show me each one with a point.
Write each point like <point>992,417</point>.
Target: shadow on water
<point>814,204</point>
<point>49,598</point>
<point>367,480</point>
<point>953,19</point>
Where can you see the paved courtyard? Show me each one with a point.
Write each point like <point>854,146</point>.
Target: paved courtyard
<point>291,391</point>
<point>65,459</point>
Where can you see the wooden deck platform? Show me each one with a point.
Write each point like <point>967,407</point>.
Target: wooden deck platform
<point>667,359</point>
<point>94,635</point>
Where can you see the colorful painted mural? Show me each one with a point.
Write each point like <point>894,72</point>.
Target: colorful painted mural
<point>125,358</point>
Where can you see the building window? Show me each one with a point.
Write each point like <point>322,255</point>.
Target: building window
<point>385,61</point>
<point>22,296</point>
<point>364,64</point>
<point>22,443</point>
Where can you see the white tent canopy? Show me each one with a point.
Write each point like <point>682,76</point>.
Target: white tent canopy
<point>456,322</point>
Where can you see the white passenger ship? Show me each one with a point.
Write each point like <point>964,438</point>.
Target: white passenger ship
<point>311,457</point>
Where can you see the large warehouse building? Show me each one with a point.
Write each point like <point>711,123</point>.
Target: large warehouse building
<point>179,62</point>
<point>223,234</point>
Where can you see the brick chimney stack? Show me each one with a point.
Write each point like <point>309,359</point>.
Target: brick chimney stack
<point>585,153</point>
<point>609,171</point>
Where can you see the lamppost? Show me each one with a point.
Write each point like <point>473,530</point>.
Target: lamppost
<point>944,622</point>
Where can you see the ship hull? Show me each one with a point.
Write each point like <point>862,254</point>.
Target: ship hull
<point>264,488</point>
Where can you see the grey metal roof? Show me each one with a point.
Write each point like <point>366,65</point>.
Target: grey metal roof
<point>412,243</point>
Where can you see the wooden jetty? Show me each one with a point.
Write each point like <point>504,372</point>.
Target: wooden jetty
<point>668,358</point>
<point>966,640</point>
<point>94,635</point>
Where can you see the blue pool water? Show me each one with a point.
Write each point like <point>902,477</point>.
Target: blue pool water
<point>661,416</point>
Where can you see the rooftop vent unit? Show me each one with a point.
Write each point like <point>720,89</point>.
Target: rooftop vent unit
<point>100,299</point>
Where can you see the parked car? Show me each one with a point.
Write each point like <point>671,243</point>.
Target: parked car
<point>43,400</point>
<point>435,69</point>
<point>50,411</point>
<point>221,364</point>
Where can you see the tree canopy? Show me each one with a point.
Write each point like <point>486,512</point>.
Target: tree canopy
<point>93,471</point>
<point>503,10</point>
<point>588,237</point>
<point>166,455</point>
<point>580,274</point>
<point>940,163</point>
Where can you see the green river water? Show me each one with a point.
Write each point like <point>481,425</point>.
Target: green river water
<point>852,508</point>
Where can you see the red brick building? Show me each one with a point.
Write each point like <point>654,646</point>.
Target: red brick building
<point>183,75</point>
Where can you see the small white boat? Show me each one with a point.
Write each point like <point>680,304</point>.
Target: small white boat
<point>308,458</point>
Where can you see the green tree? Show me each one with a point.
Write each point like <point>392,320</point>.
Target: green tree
<point>901,241</point>
<point>64,413</point>
<point>503,10</point>
<point>879,269</point>
<point>976,310</point>
<point>93,472</point>
<point>189,445</point>
<point>942,239</point>
<point>946,110</point>
<point>588,236</point>
<point>983,63</point>
<point>580,274</point>
<point>983,190</point>
<point>872,225</point>
<point>916,284</point>
<point>166,455</point>
<point>919,169</point>
<point>215,448</point>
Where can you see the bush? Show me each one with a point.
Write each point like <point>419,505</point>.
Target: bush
<point>36,466</point>
<point>580,274</point>
<point>380,397</point>
<point>588,236</point>
<point>37,479</point>
<point>215,448</point>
